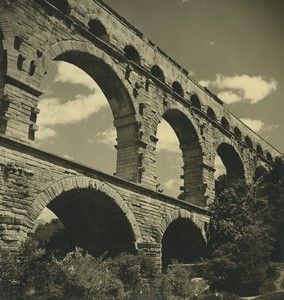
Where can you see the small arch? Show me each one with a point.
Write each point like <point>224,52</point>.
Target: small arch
<point>158,73</point>
<point>32,68</point>
<point>61,5</point>
<point>99,30</point>
<point>225,123</point>
<point>195,101</point>
<point>248,142</point>
<point>269,156</point>
<point>131,54</point>
<point>177,88</point>
<point>259,150</point>
<point>238,134</point>
<point>18,42</point>
<point>211,114</point>
<point>20,62</point>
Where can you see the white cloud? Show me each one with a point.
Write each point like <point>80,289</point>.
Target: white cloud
<point>255,125</point>
<point>220,169</point>
<point>168,140</point>
<point>258,125</point>
<point>211,43</point>
<point>241,87</point>
<point>204,82</point>
<point>172,184</point>
<point>229,97</point>
<point>46,216</point>
<point>68,73</point>
<point>45,133</point>
<point>271,127</point>
<point>53,112</point>
<point>107,137</point>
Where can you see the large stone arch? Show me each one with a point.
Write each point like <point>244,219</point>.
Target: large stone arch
<point>191,145</point>
<point>179,213</point>
<point>231,158</point>
<point>182,236</point>
<point>79,54</point>
<point>110,77</point>
<point>175,105</point>
<point>82,182</point>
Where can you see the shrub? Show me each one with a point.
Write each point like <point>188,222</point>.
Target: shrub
<point>178,283</point>
<point>28,274</point>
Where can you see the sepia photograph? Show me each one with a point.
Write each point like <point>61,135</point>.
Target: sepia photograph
<point>141,149</point>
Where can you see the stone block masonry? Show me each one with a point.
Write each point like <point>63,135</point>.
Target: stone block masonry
<point>32,180</point>
<point>143,86</point>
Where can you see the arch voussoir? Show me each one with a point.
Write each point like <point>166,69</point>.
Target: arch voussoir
<point>184,214</point>
<point>174,215</point>
<point>83,182</point>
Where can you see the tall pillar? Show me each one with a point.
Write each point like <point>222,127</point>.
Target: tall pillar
<point>130,151</point>
<point>194,187</point>
<point>153,250</point>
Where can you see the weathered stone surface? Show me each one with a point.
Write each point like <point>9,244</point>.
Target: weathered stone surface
<point>143,85</point>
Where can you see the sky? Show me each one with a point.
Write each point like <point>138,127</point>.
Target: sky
<point>233,47</point>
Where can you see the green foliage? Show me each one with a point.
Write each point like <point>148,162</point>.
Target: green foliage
<point>90,277</point>
<point>31,274</point>
<point>241,238</point>
<point>27,274</point>
<point>271,186</point>
<point>136,273</point>
<point>239,210</point>
<point>178,283</point>
<point>242,233</point>
<point>53,238</point>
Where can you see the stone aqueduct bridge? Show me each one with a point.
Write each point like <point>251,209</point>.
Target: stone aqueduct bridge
<point>143,86</point>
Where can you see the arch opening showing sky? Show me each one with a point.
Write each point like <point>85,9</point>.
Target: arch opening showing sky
<point>76,122</point>
<point>234,48</point>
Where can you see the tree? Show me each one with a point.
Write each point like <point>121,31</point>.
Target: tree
<point>271,185</point>
<point>27,274</point>
<point>54,238</point>
<point>242,228</point>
